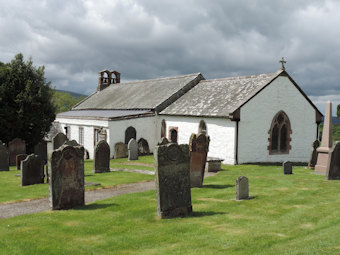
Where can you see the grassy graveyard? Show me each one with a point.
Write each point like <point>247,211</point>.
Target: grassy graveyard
<point>290,214</point>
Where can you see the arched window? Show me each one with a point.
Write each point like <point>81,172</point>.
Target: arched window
<point>279,134</point>
<point>202,128</point>
<point>163,129</point>
<point>173,134</point>
<point>130,132</point>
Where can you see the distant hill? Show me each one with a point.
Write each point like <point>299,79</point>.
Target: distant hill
<point>65,100</point>
<point>73,94</point>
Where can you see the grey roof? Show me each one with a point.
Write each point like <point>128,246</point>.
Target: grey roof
<point>153,94</point>
<point>219,97</point>
<point>103,114</point>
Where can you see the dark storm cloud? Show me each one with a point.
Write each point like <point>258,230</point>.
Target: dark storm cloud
<point>148,39</point>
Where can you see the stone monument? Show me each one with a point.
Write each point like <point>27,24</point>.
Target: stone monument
<point>242,188</point>
<point>287,167</point>
<point>314,155</point>
<point>198,147</point>
<point>15,147</point>
<point>132,149</point>
<point>32,170</point>
<point>19,158</point>
<point>326,142</point>
<point>101,161</point>
<point>333,169</point>
<point>121,150</point>
<point>58,140</point>
<point>172,179</point>
<point>4,157</point>
<point>41,150</point>
<point>67,177</point>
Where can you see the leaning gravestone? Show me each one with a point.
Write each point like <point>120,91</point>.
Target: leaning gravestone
<point>19,158</point>
<point>198,147</point>
<point>4,156</point>
<point>287,167</point>
<point>32,170</point>
<point>101,162</point>
<point>58,140</point>
<point>121,150</point>
<point>67,177</point>
<point>333,169</point>
<point>172,179</point>
<point>314,155</point>
<point>41,150</point>
<point>133,149</point>
<point>242,188</point>
<point>15,147</point>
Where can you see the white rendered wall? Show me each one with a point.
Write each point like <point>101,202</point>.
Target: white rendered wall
<point>257,116</point>
<point>221,132</point>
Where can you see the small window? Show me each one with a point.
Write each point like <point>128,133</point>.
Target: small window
<point>68,132</point>
<point>130,132</point>
<point>81,135</point>
<point>163,129</point>
<point>279,134</point>
<point>96,132</point>
<point>173,134</point>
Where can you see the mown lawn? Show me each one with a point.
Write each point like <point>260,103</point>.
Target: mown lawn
<point>292,214</point>
<point>11,189</point>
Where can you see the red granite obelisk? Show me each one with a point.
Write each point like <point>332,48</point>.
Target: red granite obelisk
<point>326,143</point>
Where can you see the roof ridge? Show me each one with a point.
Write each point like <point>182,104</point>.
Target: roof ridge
<point>157,79</point>
<point>240,77</point>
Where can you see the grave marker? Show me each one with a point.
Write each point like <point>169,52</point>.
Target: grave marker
<point>287,167</point>
<point>4,157</point>
<point>19,158</point>
<point>121,150</point>
<point>132,149</point>
<point>101,162</point>
<point>314,155</point>
<point>242,188</point>
<point>15,147</point>
<point>32,170</point>
<point>333,169</point>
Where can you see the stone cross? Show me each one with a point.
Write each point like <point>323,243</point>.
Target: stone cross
<point>132,149</point>
<point>333,169</point>
<point>32,170</point>
<point>4,157</point>
<point>287,167</point>
<point>242,188</point>
<point>282,61</point>
<point>326,142</point>
<point>172,179</point>
<point>101,162</point>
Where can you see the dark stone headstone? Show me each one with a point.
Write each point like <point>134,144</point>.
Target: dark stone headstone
<point>58,140</point>
<point>333,169</point>
<point>32,170</point>
<point>242,188</point>
<point>199,147</point>
<point>101,162</point>
<point>287,167</point>
<point>172,179</point>
<point>67,177</point>
<point>41,150</point>
<point>132,149</point>
<point>19,158</point>
<point>121,150</point>
<point>15,147</point>
<point>4,157</point>
<point>143,147</point>
<point>314,155</point>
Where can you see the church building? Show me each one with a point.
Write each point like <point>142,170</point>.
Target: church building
<point>262,118</point>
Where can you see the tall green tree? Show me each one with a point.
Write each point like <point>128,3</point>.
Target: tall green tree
<point>26,107</point>
<point>338,111</point>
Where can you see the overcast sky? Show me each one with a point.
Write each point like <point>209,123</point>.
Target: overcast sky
<point>158,38</point>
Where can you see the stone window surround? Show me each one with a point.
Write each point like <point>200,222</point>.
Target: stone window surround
<point>170,130</point>
<point>81,135</point>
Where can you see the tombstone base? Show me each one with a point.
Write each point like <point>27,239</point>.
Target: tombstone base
<point>241,199</point>
<point>100,171</point>
<point>177,212</point>
<point>321,165</point>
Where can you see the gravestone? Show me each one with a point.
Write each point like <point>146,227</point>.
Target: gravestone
<point>314,155</point>
<point>172,165</point>
<point>143,147</point>
<point>71,143</point>
<point>199,147</point>
<point>41,150</point>
<point>287,167</point>
<point>132,149</point>
<point>32,170</point>
<point>326,142</point>
<point>333,169</point>
<point>101,162</point>
<point>242,188</point>
<point>19,158</point>
<point>15,147</point>
<point>58,140</point>
<point>67,177</point>
<point>121,150</point>
<point>4,157</point>
<point>213,164</point>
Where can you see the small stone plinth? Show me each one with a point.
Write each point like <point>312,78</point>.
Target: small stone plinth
<point>287,167</point>
<point>213,164</point>
<point>242,188</point>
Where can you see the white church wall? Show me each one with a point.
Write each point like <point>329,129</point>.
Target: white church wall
<point>221,132</point>
<point>145,128</point>
<point>257,116</point>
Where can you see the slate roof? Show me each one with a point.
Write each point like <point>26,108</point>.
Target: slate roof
<point>155,94</point>
<point>104,114</point>
<point>219,97</point>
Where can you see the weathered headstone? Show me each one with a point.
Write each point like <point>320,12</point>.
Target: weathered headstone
<point>287,167</point>
<point>71,143</point>
<point>242,188</point>
<point>19,158</point>
<point>132,149</point>
<point>32,170</point>
<point>58,140</point>
<point>172,179</point>
<point>326,142</point>
<point>333,169</point>
<point>41,150</point>
<point>213,164</point>
<point>314,155</point>
<point>4,157</point>
<point>67,177</point>
<point>15,147</point>
<point>121,150</point>
<point>101,162</point>
<point>199,147</point>
<point>143,147</point>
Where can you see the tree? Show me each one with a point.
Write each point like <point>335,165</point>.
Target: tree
<point>338,111</point>
<point>26,107</point>
<point>64,101</point>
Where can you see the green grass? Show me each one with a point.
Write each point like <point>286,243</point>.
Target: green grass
<point>11,189</point>
<point>292,214</point>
